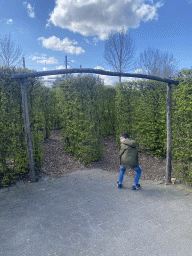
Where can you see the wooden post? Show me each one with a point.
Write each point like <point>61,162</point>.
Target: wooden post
<point>65,62</point>
<point>66,65</point>
<point>27,130</point>
<point>23,62</point>
<point>119,79</point>
<point>168,163</point>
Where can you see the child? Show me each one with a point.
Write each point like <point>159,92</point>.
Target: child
<point>128,159</point>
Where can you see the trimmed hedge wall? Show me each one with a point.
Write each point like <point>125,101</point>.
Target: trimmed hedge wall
<point>87,111</point>
<point>14,161</point>
<point>85,108</point>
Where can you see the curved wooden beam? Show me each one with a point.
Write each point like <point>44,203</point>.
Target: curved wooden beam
<point>94,71</point>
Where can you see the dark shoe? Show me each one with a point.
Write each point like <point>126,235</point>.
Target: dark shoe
<point>136,187</point>
<point>119,185</point>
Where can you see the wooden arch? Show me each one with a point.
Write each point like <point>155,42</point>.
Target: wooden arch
<point>24,76</point>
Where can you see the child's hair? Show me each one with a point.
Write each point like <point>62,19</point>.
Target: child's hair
<point>124,135</point>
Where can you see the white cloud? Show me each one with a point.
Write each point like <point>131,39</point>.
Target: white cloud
<point>52,78</point>
<point>100,67</point>
<point>30,9</point>
<point>113,80</point>
<point>140,71</point>
<point>66,45</point>
<point>60,67</point>
<point>63,67</point>
<point>48,79</point>
<point>147,12</point>
<point>48,61</point>
<point>95,40</point>
<point>108,80</point>
<point>86,40</point>
<point>9,21</point>
<point>98,18</point>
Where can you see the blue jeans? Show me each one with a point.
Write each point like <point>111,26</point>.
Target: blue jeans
<point>137,176</point>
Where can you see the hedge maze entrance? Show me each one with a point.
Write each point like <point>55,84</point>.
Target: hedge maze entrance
<point>23,77</point>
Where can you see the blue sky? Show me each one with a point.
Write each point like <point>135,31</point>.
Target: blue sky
<point>47,30</point>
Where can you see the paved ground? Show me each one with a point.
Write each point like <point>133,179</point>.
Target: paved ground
<point>84,213</point>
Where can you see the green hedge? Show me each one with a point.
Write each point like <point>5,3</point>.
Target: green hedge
<point>87,111</point>
<point>182,127</point>
<point>141,110</point>
<point>14,161</point>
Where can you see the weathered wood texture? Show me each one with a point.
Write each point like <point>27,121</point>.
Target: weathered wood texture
<point>27,130</point>
<point>94,71</point>
<point>168,157</point>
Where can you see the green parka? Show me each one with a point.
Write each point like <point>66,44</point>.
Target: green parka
<point>128,154</point>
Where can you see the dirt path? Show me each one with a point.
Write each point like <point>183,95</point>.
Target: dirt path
<point>57,162</point>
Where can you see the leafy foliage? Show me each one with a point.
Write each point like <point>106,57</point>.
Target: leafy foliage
<point>87,111</point>
<point>182,127</point>
<point>13,153</point>
<point>142,113</point>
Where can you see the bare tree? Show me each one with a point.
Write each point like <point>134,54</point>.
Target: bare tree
<point>10,54</point>
<point>154,62</point>
<point>118,52</point>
